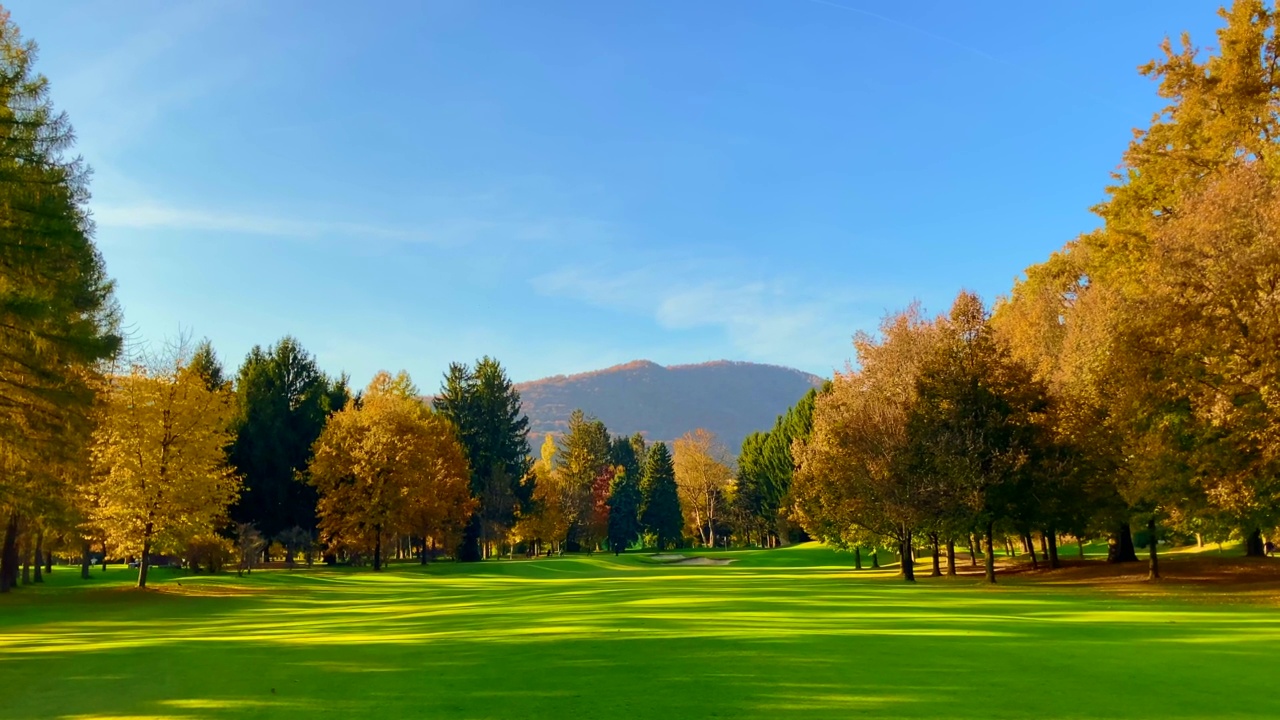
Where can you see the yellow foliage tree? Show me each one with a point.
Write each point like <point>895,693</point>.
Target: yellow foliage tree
<point>389,465</point>
<point>704,476</point>
<point>160,464</point>
<point>553,497</point>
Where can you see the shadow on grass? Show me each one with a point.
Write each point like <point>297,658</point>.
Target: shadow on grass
<point>604,638</point>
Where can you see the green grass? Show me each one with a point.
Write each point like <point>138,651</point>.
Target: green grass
<point>789,633</point>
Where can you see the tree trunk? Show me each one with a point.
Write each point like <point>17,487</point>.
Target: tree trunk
<point>1153,569</point>
<point>39,556</point>
<point>991,553</point>
<point>9,555</point>
<point>26,565</point>
<point>1253,545</point>
<point>1054,562</point>
<point>1080,546</point>
<point>1031,548</point>
<point>951,557</point>
<point>144,563</point>
<point>857,558</point>
<point>377,548</point>
<point>973,555</point>
<point>937,566</point>
<point>1199,540</point>
<point>84,559</point>
<point>908,565</point>
<point>1121,546</point>
<point>1044,544</point>
<point>875,558</point>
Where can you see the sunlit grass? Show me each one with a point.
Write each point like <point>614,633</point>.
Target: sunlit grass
<point>788,633</point>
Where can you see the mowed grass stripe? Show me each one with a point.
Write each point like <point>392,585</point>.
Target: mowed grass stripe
<point>788,633</point>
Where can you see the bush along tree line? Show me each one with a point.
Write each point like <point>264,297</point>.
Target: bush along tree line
<point>1125,388</point>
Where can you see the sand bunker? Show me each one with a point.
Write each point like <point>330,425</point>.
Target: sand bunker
<point>671,559</point>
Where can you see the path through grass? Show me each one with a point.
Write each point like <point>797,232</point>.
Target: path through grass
<point>787,633</point>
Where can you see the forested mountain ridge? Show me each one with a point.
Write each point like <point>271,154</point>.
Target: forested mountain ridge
<point>731,399</point>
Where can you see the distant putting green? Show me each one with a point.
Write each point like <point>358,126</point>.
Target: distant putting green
<point>790,633</point>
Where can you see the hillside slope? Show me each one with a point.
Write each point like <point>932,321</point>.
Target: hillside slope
<point>731,399</point>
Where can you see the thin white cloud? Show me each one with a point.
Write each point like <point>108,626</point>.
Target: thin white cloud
<point>161,217</point>
<point>466,228</point>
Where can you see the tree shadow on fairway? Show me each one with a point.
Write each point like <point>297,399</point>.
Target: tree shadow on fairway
<point>597,639</point>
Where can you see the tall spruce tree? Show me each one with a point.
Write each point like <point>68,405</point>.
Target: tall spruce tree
<point>484,406</point>
<point>205,363</point>
<point>624,510</point>
<point>282,403</point>
<point>660,512</point>
<point>623,453</point>
<point>765,465</point>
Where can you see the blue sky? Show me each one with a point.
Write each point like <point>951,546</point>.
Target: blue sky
<point>570,185</point>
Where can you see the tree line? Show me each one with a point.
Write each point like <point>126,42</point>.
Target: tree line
<point>1131,379</point>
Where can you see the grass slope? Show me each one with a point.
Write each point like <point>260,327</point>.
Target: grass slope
<point>789,633</point>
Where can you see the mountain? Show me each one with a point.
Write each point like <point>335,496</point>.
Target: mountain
<point>731,399</point>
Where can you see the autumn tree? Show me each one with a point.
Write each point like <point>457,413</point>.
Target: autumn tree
<point>440,503</point>
<point>1218,118</point>
<point>853,475</point>
<point>704,478</point>
<point>582,458</point>
<point>1202,340</point>
<point>595,525</point>
<point>660,513</point>
<point>1060,326</point>
<point>58,318</point>
<point>386,466</point>
<point>160,458</point>
<point>484,406</point>
<point>549,515</point>
<point>976,436</point>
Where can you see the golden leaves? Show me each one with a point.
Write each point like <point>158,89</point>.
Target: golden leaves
<point>390,465</point>
<point>159,456</point>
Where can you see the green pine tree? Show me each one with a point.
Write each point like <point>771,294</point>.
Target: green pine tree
<point>484,406</point>
<point>765,465</point>
<point>660,513</point>
<point>624,510</point>
<point>282,403</point>
<point>205,363</point>
<point>622,452</point>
